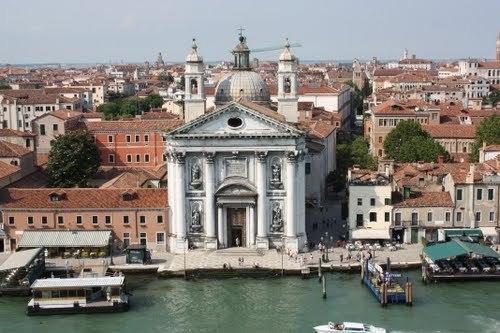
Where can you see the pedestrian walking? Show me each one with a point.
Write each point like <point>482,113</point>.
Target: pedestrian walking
<point>237,241</point>
<point>341,257</point>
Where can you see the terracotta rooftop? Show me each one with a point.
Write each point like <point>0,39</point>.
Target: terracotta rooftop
<point>137,125</point>
<point>424,199</point>
<point>455,131</point>
<point>75,198</point>
<point>7,169</point>
<point>7,132</point>
<point>8,149</point>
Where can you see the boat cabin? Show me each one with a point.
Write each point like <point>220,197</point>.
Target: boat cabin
<point>75,295</point>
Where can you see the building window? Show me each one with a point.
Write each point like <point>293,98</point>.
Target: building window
<point>387,201</point>
<point>146,138</point>
<point>129,158</point>
<point>137,138</point>
<point>128,138</point>
<point>159,219</point>
<point>387,216</point>
<point>110,138</point>
<point>111,158</point>
<point>146,158</point>
<point>373,217</point>
<point>55,127</point>
<point>492,216</point>
<point>126,239</point>
<point>42,129</point>
<point>478,216</point>
<point>429,217</point>
<point>125,219</point>
<point>44,220</point>
<point>107,219</point>
<point>414,218</point>
<point>479,194</point>
<point>143,238</point>
<point>308,168</point>
<point>160,238</point>
<point>95,220</point>
<point>79,220</point>
<point>379,139</point>
<point>459,216</point>
<point>447,216</point>
<point>360,201</point>
<point>60,220</point>
<point>12,220</point>
<point>372,202</point>
<point>491,194</point>
<point>397,218</point>
<point>164,157</point>
<point>359,220</point>
<point>459,194</point>
<point>137,158</point>
<point>142,219</point>
<point>30,220</point>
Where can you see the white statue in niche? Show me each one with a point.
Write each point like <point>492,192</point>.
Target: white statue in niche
<point>276,175</point>
<point>196,225</point>
<point>196,175</point>
<point>277,218</point>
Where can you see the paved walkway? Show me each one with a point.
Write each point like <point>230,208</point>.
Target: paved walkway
<point>273,259</point>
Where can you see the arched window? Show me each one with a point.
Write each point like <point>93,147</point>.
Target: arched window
<point>287,85</point>
<point>194,86</point>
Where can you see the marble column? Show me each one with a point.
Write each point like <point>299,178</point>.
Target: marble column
<point>210,240</point>
<point>291,185</point>
<point>220,225</point>
<point>180,195</point>
<point>171,191</point>
<point>262,224</point>
<point>251,219</point>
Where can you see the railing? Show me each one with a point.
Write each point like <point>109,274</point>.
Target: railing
<point>407,223</point>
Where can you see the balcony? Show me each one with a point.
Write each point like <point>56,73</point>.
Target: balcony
<point>407,223</point>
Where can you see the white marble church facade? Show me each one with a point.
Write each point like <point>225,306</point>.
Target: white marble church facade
<point>236,177</point>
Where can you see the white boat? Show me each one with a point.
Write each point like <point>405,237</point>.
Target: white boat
<point>348,327</point>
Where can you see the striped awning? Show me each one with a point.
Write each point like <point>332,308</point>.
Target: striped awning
<point>65,238</point>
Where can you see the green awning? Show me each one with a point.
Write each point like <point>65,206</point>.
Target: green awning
<point>463,232</point>
<point>455,248</point>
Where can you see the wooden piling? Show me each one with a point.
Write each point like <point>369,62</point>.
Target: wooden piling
<point>323,284</point>
<point>319,271</point>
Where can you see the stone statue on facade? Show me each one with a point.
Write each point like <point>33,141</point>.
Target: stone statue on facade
<point>277,219</point>
<point>196,220</point>
<point>196,175</point>
<point>276,176</point>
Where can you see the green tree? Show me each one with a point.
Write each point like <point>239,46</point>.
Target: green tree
<point>487,132</point>
<point>154,101</point>
<point>73,159</point>
<point>493,98</point>
<point>110,110</point>
<point>360,154</point>
<point>5,87</point>
<point>408,142</point>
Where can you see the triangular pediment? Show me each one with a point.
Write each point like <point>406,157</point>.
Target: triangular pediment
<point>238,120</point>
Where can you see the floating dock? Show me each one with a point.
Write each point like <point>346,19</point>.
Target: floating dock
<point>385,285</point>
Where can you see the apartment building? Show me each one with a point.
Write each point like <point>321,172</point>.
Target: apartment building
<point>134,216</point>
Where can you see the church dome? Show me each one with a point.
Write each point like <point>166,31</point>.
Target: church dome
<point>242,84</point>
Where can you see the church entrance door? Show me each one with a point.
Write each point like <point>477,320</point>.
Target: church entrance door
<point>236,220</point>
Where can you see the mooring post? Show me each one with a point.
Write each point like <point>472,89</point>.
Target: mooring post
<point>323,284</point>
<point>320,273</point>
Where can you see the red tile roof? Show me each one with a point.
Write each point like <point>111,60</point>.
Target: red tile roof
<point>425,199</point>
<point>78,198</point>
<point>454,131</point>
<point>133,125</point>
<point>8,149</point>
<point>7,132</point>
<point>7,169</point>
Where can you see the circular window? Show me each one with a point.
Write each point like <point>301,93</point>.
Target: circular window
<point>235,122</point>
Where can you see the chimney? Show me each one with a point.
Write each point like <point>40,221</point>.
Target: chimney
<point>470,175</point>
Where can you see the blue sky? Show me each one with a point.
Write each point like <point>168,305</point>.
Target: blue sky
<point>132,30</point>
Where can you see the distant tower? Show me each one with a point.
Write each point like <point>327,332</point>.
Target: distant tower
<point>357,74</point>
<point>498,46</point>
<point>146,68</point>
<point>405,54</point>
<point>159,61</point>
<point>288,101</point>
<point>194,97</point>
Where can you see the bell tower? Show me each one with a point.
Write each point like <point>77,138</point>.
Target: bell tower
<point>288,101</point>
<point>498,47</point>
<point>194,96</point>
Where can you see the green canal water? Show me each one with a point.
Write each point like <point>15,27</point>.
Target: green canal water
<point>272,305</point>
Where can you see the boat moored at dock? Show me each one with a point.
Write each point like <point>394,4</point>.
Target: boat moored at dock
<point>78,295</point>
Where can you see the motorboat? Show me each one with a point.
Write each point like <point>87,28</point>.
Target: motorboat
<point>348,327</point>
